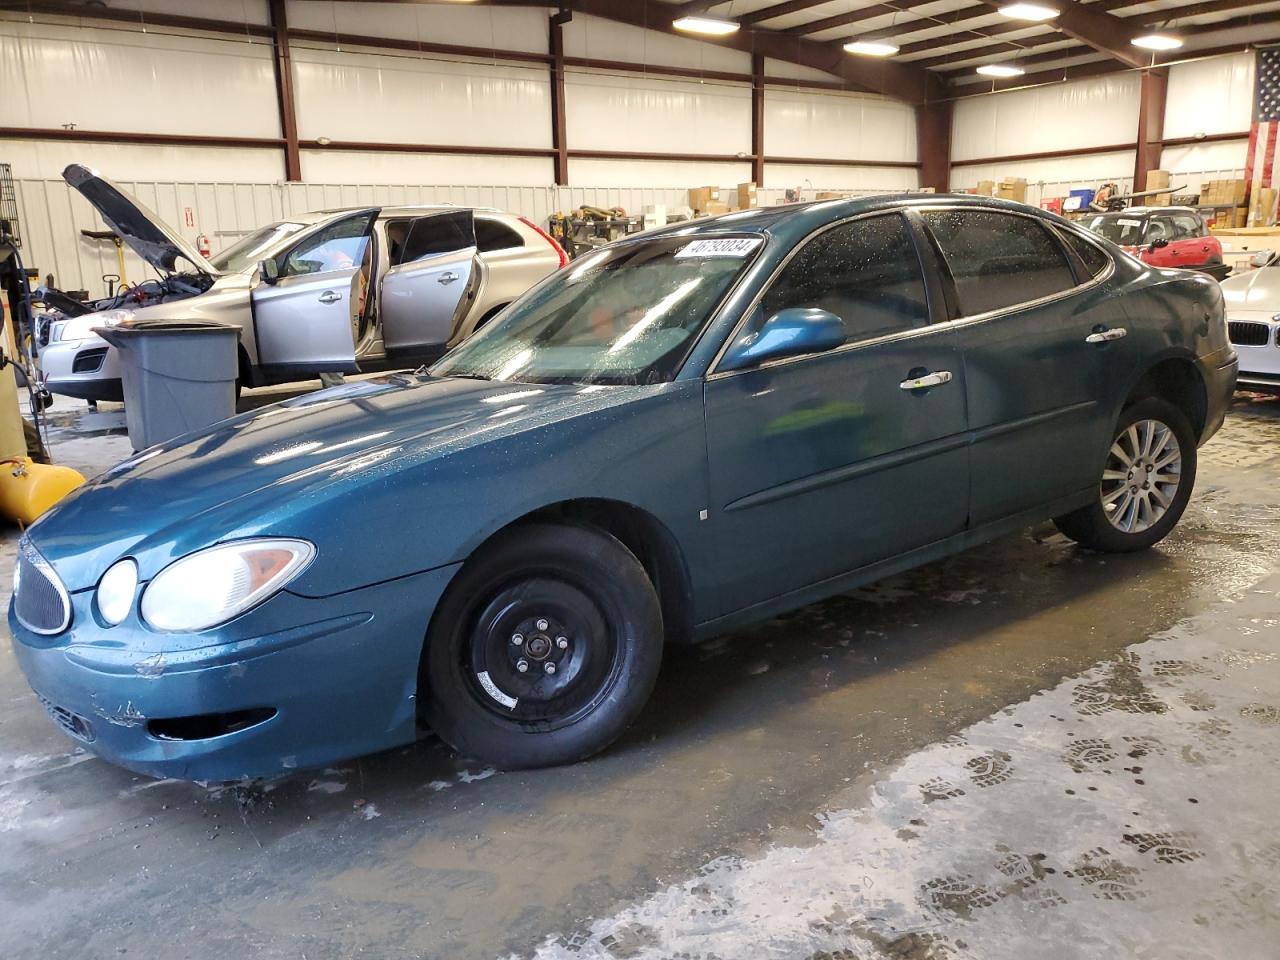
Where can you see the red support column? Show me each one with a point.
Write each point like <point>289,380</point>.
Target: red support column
<point>757,119</point>
<point>1153,93</point>
<point>284,90</point>
<point>559,140</point>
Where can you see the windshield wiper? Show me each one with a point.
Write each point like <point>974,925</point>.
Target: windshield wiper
<point>469,376</point>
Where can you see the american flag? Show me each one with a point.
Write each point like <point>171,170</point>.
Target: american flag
<point>1262,169</point>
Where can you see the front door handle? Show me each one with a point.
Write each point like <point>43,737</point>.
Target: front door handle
<point>935,379</point>
<point>1102,336</point>
<point>330,297</point>
<point>447,277</point>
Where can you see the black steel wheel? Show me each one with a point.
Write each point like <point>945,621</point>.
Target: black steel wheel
<point>544,648</point>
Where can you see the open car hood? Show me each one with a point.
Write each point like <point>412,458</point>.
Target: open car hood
<point>146,234</point>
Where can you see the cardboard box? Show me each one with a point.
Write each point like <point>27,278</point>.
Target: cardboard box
<point>699,197</point>
<point>1241,218</point>
<point>1262,208</point>
<point>985,188</point>
<point>1052,204</point>
<point>713,208</point>
<point>1012,188</point>
<point>747,196</point>
<point>1157,180</point>
<point>829,195</point>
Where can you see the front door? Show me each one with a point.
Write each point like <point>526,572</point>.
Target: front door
<point>823,464</point>
<point>307,320</point>
<point>1190,246</point>
<point>1037,348</point>
<point>430,268</point>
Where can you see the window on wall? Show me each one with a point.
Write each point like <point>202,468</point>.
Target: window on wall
<point>865,272</point>
<point>998,260</point>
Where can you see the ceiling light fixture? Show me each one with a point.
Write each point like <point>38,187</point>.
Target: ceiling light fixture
<point>711,26</point>
<point>1157,41</point>
<point>1029,11</point>
<point>1000,70</point>
<point>871,48</point>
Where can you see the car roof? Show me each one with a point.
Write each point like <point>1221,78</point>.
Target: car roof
<point>798,219</point>
<point>1147,211</point>
<point>391,210</point>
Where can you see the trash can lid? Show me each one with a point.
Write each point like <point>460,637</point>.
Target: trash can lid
<point>136,328</point>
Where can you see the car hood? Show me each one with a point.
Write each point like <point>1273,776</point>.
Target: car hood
<point>1257,291</point>
<point>240,476</point>
<point>146,234</point>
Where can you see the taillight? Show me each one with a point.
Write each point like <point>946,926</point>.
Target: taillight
<point>564,257</point>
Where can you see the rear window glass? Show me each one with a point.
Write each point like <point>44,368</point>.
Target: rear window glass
<point>998,260</point>
<point>495,235</point>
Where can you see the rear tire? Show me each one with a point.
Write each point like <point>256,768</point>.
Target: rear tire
<point>1146,482</point>
<point>544,649</point>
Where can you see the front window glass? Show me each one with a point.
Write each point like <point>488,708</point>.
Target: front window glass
<point>257,246</point>
<point>865,272</point>
<point>998,260</point>
<point>624,315</point>
<point>1118,228</point>
<point>339,246</point>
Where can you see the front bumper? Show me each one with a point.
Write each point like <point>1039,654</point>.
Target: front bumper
<point>88,368</point>
<point>334,678</point>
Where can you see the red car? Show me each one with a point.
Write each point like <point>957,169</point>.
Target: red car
<point>1163,237</point>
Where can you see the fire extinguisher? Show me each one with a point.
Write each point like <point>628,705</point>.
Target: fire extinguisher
<point>202,245</point>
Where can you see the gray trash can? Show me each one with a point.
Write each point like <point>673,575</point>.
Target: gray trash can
<point>179,375</point>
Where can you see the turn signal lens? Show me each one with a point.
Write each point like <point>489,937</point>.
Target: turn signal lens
<point>212,586</point>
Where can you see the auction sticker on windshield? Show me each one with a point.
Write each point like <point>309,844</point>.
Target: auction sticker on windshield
<point>723,247</point>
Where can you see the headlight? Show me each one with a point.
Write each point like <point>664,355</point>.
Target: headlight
<point>81,328</point>
<point>212,586</point>
<point>116,590</point>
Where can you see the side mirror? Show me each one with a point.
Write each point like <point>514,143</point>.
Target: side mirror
<point>1158,244</point>
<point>270,270</point>
<point>788,333</point>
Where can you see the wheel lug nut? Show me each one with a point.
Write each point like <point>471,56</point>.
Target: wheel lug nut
<point>522,666</point>
<point>517,638</point>
<point>562,642</point>
<point>550,668</point>
<point>542,624</point>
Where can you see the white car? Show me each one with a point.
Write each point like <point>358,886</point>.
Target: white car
<point>1253,324</point>
<point>338,291</point>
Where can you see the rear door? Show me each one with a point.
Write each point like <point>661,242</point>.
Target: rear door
<point>827,463</point>
<point>431,262</point>
<point>1159,248</point>
<point>1039,337</point>
<point>1189,246</point>
<point>305,321</point>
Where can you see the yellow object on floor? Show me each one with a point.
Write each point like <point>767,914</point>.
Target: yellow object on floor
<point>28,489</point>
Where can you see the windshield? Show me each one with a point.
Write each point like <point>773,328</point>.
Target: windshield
<point>1119,229</point>
<point>624,315</point>
<point>254,248</point>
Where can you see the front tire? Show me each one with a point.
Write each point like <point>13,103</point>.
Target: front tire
<point>544,649</point>
<point>1146,482</point>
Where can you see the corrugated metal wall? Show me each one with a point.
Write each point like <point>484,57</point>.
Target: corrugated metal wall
<point>52,214</point>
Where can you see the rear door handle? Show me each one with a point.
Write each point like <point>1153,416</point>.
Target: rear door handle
<point>330,297</point>
<point>935,379</point>
<point>1102,336</point>
<point>447,277</point>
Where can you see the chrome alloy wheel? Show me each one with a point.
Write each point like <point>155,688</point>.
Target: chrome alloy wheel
<point>1141,477</point>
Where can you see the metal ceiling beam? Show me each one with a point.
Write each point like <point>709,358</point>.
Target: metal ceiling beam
<point>897,80</point>
<point>855,16</point>
<point>778,10</point>
<point>1102,31</point>
<point>693,7</point>
<point>954,17</point>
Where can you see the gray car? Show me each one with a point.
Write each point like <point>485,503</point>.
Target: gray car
<point>336,291</point>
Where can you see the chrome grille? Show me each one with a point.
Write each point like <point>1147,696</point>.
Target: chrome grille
<point>72,724</point>
<point>1245,334</point>
<point>40,601</point>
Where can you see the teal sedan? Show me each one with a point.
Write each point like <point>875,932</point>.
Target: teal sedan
<point>681,433</point>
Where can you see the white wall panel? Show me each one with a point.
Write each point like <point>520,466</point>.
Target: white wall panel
<point>656,173</point>
<point>837,125</point>
<point>1194,164</point>
<point>506,28</point>
<point>812,178</point>
<point>104,79</point>
<point>608,40</point>
<point>119,161</point>
<point>605,112</point>
<point>1210,96</point>
<point>246,11</point>
<point>1084,113</point>
<point>347,96</point>
<point>339,166</point>
<point>794,71</point>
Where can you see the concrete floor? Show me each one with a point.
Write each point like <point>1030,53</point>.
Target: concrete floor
<point>1028,750</point>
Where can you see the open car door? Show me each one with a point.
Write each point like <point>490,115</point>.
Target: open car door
<point>431,261</point>
<point>306,316</point>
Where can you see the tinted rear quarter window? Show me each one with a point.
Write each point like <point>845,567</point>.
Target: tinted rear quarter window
<point>1095,261</point>
<point>495,235</point>
<point>998,260</point>
<point>866,272</point>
